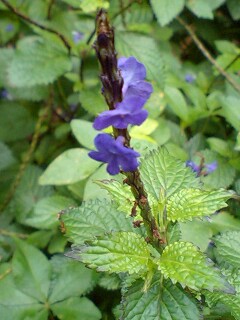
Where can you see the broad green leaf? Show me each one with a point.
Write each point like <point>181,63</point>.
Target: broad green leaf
<point>163,301</point>
<point>164,174</point>
<point>234,8</point>
<point>71,166</point>
<point>36,93</point>
<point>69,279</point>
<point>7,158</point>
<point>182,262</point>
<point>84,132</point>
<point>228,248</point>
<point>15,122</point>
<point>36,62</point>
<point>229,300</point>
<point>189,203</point>
<point>117,252</point>
<point>224,221</point>
<point>76,308</point>
<point>28,193</point>
<point>93,218</point>
<point>177,102</point>
<point>203,8</point>
<point>146,50</point>
<point>45,213</point>
<point>165,10</point>
<point>120,193</point>
<point>31,271</point>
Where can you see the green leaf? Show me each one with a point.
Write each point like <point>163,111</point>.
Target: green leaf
<point>6,55</point>
<point>70,278</point>
<point>182,262</point>
<point>231,301</point>
<point>31,271</point>
<point>228,248</point>
<point>165,10</point>
<point>120,193</point>
<point>220,146</point>
<point>234,9</point>
<point>71,166</point>
<point>231,110</point>
<point>93,218</point>
<point>146,50</point>
<point>162,301</point>
<point>45,214</point>
<point>177,102</point>
<point>189,203</point>
<point>84,132</point>
<point>28,193</point>
<point>15,122</point>
<point>117,252</point>
<point>36,62</point>
<point>92,101</point>
<point>110,281</point>
<point>7,158</point>
<point>163,173</point>
<point>76,308</point>
<point>203,8</point>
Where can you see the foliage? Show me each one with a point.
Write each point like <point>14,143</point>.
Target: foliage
<point>53,195</point>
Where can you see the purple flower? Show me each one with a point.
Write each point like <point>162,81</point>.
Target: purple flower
<point>210,167</point>
<point>114,153</point>
<point>77,36</point>
<point>9,27</point>
<point>135,91</point>
<point>193,166</point>
<point>189,78</point>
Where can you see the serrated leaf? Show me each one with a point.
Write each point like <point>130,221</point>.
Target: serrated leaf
<point>71,166</point>
<point>163,173</point>
<point>31,271</point>
<point>189,203</point>
<point>228,248</point>
<point>144,49</point>
<point>120,193</point>
<point>182,262</point>
<point>166,10</point>
<point>110,281</point>
<point>162,301</point>
<point>69,279</point>
<point>76,308</point>
<point>231,301</point>
<point>36,62</point>
<point>93,218</point>
<point>117,252</point>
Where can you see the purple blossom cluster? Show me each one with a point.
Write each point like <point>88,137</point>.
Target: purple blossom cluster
<point>202,170</point>
<point>129,111</point>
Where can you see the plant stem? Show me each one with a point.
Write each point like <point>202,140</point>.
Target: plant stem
<point>207,54</point>
<point>29,20</point>
<point>112,83</point>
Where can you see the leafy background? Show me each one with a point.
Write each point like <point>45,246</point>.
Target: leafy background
<point>49,95</point>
